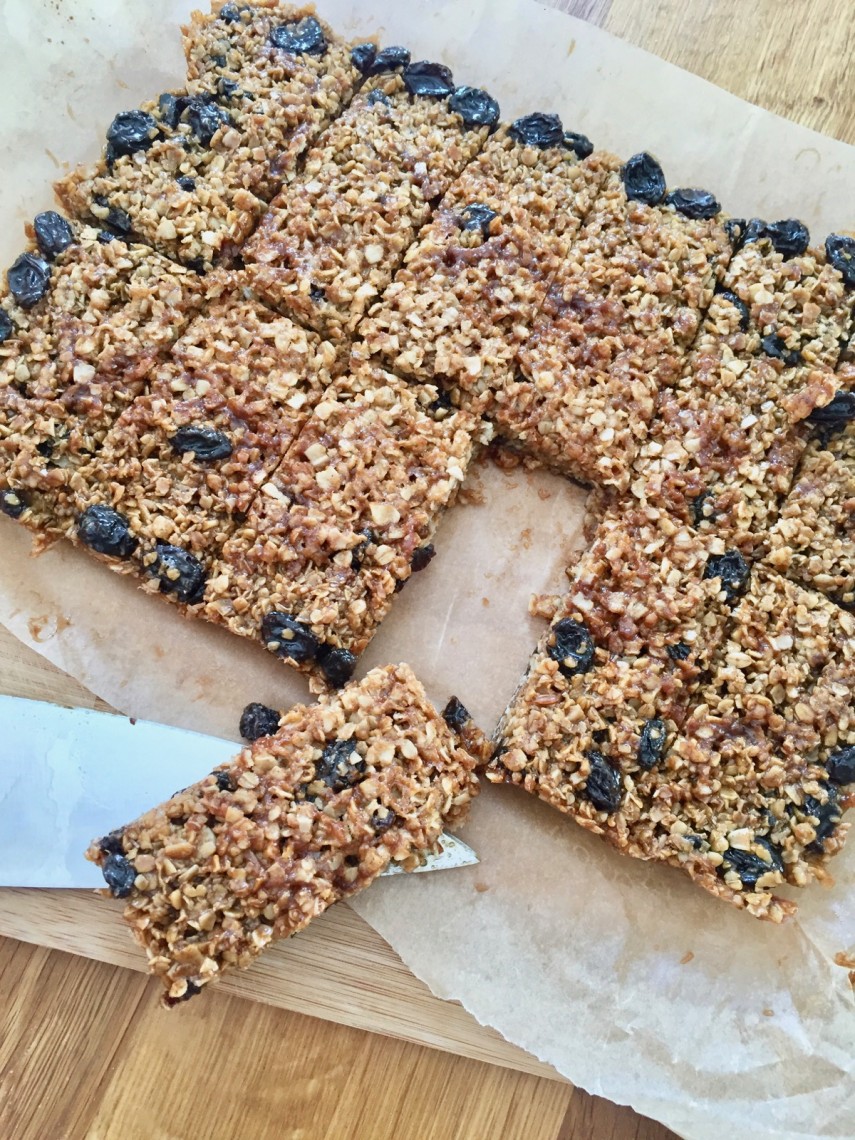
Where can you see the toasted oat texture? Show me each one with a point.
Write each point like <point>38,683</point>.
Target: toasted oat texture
<point>618,317</point>
<point>280,97</point>
<point>343,522</point>
<point>184,462</point>
<point>296,822</point>
<point>334,237</point>
<point>726,438</point>
<point>813,541</point>
<point>467,294</point>
<point>74,359</point>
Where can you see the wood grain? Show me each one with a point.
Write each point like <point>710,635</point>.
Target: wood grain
<point>85,1052</point>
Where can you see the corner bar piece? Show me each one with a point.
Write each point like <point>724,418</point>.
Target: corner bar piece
<point>183,464</point>
<point>343,522</point>
<point>334,237</point>
<point>296,822</point>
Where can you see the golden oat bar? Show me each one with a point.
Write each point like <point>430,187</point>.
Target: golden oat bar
<point>468,291</point>
<point>179,174</point>
<point>84,322</point>
<point>344,521</point>
<point>182,465</point>
<point>281,73</point>
<point>334,237</point>
<point>727,436</point>
<point>615,326</point>
<point>366,778</point>
<point>610,683</point>
<point>752,792</point>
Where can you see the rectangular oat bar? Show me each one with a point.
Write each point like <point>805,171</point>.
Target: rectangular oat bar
<point>615,326</point>
<point>726,438</point>
<point>469,289</point>
<point>182,465</point>
<point>84,322</point>
<point>334,237</point>
<point>297,821</point>
<point>343,522</point>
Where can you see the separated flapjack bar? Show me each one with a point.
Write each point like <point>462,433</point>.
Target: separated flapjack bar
<point>726,439</point>
<point>281,73</point>
<point>343,522</point>
<point>334,237</point>
<point>184,462</point>
<point>470,287</point>
<point>751,794</point>
<point>296,822</point>
<point>85,319</point>
<point>615,326</point>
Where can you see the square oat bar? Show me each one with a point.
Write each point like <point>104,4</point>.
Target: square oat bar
<point>343,522</point>
<point>182,465</point>
<point>299,820</point>
<point>334,237</point>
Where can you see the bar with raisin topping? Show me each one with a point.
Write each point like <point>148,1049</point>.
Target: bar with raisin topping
<point>184,462</point>
<point>334,237</point>
<point>343,522</point>
<point>299,820</point>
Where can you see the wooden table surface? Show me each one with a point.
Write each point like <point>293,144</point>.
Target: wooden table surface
<point>85,1050</point>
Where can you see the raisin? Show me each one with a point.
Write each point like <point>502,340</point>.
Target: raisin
<point>225,783</point>
<point>475,107</point>
<point>317,294</point>
<point>228,88</point>
<point>695,204</point>
<point>373,99</point>
<point>357,555</point>
<point>837,413</point>
<point>389,59</point>
<point>53,233</point>
<point>340,765</point>
<point>288,637</point>
<point>733,571</point>
<point>740,306</point>
<point>651,744</point>
<point>455,714</point>
<point>538,130</point>
<point>205,118</point>
<point>755,229</point>
<point>258,720</point>
<point>735,230</point>
<point>679,651</point>
<point>476,216</point>
<point>336,664</point>
<point>789,236</point>
<point>129,132</point>
<point>112,844</point>
<point>570,644</point>
<point>362,56</point>
<point>119,875</point>
<point>382,820</point>
<point>643,179</point>
<point>441,405</point>
<point>170,109</point>
<point>827,816</point>
<point>186,183</point>
<point>304,37</point>
<point>106,531</point>
<point>433,80</point>
<point>105,237</point>
<point>12,504</point>
<point>206,444</point>
<point>841,765</point>
<point>774,346</point>
<point>28,280</point>
<point>6,326</point>
<point>840,251</point>
<point>422,557</point>
<point>116,219</point>
<point>230,13</point>
<point>46,448</point>
<point>190,990</point>
<point>698,505</point>
<point>179,572</point>
<point>603,787</point>
<point>750,867</point>
<point>219,60</point>
<point>581,145</point>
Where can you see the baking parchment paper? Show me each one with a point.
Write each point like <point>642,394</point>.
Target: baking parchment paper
<point>625,977</point>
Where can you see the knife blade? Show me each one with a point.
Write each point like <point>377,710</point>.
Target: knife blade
<point>70,775</point>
